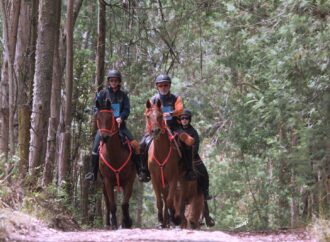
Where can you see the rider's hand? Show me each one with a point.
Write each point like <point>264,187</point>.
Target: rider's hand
<point>165,115</point>
<point>119,120</point>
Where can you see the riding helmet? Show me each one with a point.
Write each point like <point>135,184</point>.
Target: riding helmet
<point>112,73</point>
<point>186,112</point>
<point>162,78</point>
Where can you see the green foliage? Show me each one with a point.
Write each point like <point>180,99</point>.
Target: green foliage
<point>255,75</point>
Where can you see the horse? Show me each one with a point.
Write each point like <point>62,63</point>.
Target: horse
<point>116,167</point>
<point>163,163</point>
<point>189,203</point>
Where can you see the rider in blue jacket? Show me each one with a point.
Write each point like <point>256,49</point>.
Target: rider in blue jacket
<point>120,105</point>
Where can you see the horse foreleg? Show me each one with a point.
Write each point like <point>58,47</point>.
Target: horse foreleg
<point>156,186</point>
<point>127,221</point>
<point>170,202</point>
<point>112,204</point>
<point>107,205</point>
<point>182,204</point>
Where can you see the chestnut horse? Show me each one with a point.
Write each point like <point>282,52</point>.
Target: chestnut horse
<point>163,162</point>
<point>189,203</point>
<point>116,167</point>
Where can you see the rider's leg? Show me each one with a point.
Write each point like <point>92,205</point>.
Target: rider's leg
<point>203,179</point>
<point>92,176</point>
<point>143,174</point>
<point>137,159</point>
<point>144,158</point>
<point>187,158</point>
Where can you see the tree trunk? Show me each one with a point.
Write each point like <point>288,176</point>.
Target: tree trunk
<point>42,82</point>
<point>64,170</point>
<point>55,104</point>
<point>24,49</point>
<point>284,181</point>
<point>139,204</point>
<point>100,51</point>
<point>10,13</point>
<point>84,190</point>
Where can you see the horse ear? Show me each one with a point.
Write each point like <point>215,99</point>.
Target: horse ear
<point>108,104</point>
<point>148,104</point>
<point>159,103</point>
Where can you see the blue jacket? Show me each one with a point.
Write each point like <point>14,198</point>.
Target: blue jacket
<point>119,101</point>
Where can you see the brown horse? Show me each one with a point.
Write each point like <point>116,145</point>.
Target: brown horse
<point>116,167</point>
<point>163,162</point>
<point>189,203</point>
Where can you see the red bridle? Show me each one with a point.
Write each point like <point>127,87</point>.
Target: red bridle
<point>149,125</point>
<point>113,129</point>
<point>162,164</point>
<point>171,137</point>
<point>116,171</point>
<point>111,132</point>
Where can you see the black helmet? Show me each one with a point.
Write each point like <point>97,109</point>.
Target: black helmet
<point>114,74</point>
<point>162,78</point>
<point>186,112</point>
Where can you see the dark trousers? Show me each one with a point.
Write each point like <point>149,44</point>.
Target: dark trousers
<point>202,175</point>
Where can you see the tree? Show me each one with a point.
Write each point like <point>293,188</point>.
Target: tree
<point>42,83</point>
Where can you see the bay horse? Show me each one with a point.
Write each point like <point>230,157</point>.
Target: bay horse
<point>115,167</point>
<point>163,162</point>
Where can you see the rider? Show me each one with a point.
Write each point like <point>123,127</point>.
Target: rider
<point>121,108</point>
<point>172,107</point>
<point>203,176</point>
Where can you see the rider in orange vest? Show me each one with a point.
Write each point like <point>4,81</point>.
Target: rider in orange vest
<point>172,107</point>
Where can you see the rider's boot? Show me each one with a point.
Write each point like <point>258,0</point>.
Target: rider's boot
<point>142,174</point>
<point>92,176</point>
<point>143,159</point>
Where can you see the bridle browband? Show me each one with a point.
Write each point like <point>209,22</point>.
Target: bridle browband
<point>113,129</point>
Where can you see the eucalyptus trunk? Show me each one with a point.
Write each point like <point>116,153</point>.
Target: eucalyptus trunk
<point>55,105</point>
<point>23,69</point>
<point>10,12</point>
<point>64,162</point>
<point>42,83</point>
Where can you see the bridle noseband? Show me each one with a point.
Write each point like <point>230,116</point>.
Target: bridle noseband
<point>113,129</point>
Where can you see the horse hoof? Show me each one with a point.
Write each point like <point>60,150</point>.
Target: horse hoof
<point>209,222</point>
<point>177,220</point>
<point>114,227</point>
<point>127,224</point>
<point>160,226</point>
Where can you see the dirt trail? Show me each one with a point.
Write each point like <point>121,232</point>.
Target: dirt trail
<point>16,226</point>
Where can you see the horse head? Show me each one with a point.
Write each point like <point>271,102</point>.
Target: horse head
<point>105,119</point>
<point>155,123</point>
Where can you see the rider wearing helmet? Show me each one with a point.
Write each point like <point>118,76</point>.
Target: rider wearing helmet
<point>120,106</point>
<point>172,107</point>
<point>203,176</point>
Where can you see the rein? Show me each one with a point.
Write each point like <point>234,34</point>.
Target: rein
<point>116,171</point>
<point>113,129</point>
<point>162,164</point>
